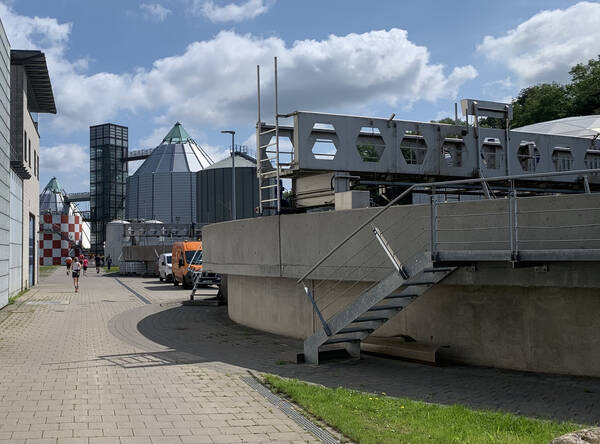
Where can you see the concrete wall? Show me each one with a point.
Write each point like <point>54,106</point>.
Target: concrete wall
<point>16,270</point>
<point>4,164</point>
<point>494,315</point>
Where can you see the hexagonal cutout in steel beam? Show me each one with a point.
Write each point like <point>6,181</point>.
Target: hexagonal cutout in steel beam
<point>369,144</point>
<point>592,159</point>
<point>492,153</point>
<point>413,148</point>
<point>454,152</point>
<point>286,152</point>
<point>562,158</point>
<point>324,141</point>
<point>528,155</point>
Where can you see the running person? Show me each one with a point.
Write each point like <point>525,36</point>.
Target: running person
<point>76,270</point>
<point>85,265</point>
<point>98,263</point>
<point>68,264</point>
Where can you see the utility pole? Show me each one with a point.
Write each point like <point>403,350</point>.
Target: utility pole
<point>233,201</point>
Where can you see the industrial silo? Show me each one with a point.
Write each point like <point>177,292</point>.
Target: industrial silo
<point>214,190</point>
<point>164,186</point>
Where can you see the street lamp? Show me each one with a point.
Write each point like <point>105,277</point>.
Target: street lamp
<point>233,202</point>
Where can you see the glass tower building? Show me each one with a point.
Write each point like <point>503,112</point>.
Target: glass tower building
<point>108,175</point>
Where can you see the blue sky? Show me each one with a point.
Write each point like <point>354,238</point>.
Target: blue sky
<point>147,64</point>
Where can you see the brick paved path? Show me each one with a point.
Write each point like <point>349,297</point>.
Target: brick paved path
<point>207,334</point>
<point>112,365</point>
<point>66,378</point>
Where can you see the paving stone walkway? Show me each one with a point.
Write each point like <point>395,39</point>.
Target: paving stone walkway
<point>122,361</point>
<point>65,377</point>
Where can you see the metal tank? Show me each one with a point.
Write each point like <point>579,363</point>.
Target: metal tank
<point>116,237</point>
<point>214,190</point>
<point>164,186</point>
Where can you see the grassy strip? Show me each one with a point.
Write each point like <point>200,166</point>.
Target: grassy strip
<point>113,269</point>
<point>369,418</point>
<point>45,270</point>
<point>13,299</point>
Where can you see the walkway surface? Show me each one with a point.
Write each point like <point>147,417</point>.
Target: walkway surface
<point>122,361</point>
<point>66,378</point>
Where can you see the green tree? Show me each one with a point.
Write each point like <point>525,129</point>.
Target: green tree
<point>585,88</point>
<point>539,103</point>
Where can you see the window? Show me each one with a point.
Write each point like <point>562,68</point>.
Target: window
<point>25,146</point>
<point>29,153</point>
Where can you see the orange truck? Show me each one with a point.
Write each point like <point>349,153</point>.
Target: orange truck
<point>187,265</point>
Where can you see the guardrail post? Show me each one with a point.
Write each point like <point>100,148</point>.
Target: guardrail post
<point>434,226</point>
<point>514,226</point>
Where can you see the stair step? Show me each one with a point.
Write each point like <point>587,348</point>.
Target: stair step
<point>370,318</point>
<point>386,307</point>
<point>355,330</point>
<point>340,340</point>
<point>399,296</point>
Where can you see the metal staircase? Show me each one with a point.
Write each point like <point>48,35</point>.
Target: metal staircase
<point>375,307</point>
<point>507,233</point>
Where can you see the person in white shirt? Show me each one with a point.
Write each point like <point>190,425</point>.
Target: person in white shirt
<point>76,269</point>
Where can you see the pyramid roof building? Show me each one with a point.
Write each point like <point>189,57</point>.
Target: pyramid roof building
<point>164,186</point>
<point>53,198</point>
<point>177,153</point>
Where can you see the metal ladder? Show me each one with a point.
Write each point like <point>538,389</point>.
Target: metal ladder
<point>268,156</point>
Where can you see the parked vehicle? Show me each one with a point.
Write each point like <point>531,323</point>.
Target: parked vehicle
<point>187,263</point>
<point>165,268</point>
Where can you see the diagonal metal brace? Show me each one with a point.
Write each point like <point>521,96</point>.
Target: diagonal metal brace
<point>390,253</point>
<point>312,300</point>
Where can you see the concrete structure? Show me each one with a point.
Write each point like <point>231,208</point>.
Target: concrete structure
<point>533,318</point>
<point>214,190</point>
<point>164,186</point>
<point>108,173</point>
<point>135,246</point>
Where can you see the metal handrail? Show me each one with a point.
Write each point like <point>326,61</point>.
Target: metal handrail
<point>441,184</point>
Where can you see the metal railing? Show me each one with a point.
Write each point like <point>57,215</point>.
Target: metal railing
<point>366,255</point>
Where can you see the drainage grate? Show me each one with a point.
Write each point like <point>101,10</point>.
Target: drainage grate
<point>289,410</point>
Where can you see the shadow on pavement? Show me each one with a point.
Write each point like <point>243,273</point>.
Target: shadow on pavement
<point>209,335</point>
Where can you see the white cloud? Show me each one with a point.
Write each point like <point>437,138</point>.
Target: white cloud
<point>231,12</point>
<point>341,73</point>
<point>154,12</point>
<point>65,158</point>
<point>544,47</point>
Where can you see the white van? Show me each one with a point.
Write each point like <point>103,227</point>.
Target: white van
<point>165,267</point>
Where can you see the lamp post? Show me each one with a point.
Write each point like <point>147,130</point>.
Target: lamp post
<point>233,202</point>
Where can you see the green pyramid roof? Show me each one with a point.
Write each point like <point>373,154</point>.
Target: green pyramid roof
<point>54,186</point>
<point>177,135</point>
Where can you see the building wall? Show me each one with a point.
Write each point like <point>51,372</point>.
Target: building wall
<point>496,315</point>
<point>31,199</point>
<point>15,266</point>
<point>4,164</point>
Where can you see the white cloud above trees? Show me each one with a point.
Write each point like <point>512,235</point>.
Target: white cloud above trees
<point>545,47</point>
